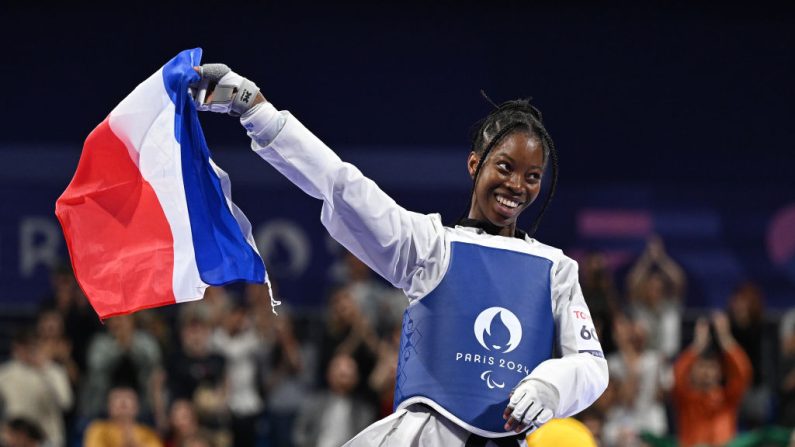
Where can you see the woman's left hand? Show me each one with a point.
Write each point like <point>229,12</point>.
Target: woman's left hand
<point>530,406</point>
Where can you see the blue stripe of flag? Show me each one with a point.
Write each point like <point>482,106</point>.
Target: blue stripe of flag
<point>222,253</point>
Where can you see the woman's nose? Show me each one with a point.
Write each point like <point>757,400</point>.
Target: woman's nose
<point>514,183</point>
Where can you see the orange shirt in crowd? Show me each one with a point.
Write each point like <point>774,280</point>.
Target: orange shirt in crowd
<point>108,434</point>
<point>710,417</point>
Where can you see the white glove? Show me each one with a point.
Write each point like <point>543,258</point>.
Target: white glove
<point>531,405</point>
<point>228,91</point>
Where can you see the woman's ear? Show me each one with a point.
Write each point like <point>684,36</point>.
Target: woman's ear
<point>472,164</point>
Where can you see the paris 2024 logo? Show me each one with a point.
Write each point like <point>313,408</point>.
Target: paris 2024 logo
<point>499,332</point>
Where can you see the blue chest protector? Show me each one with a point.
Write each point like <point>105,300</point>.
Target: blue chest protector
<point>466,344</point>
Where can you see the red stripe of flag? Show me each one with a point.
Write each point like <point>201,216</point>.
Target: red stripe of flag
<point>119,239</point>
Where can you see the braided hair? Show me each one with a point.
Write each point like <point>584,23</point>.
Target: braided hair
<point>517,115</point>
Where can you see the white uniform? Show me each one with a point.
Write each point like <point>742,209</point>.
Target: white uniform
<point>412,251</point>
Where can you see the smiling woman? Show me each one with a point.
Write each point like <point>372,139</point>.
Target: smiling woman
<point>497,338</point>
<point>509,153</point>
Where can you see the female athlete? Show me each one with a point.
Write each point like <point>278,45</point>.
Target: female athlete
<point>497,338</point>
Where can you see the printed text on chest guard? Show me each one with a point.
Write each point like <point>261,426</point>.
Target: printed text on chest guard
<point>490,360</point>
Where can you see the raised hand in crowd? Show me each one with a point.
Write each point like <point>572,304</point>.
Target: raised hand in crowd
<point>655,259</point>
<point>701,336</point>
<point>723,332</point>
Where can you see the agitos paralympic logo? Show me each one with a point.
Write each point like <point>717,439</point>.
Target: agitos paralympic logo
<point>497,336</point>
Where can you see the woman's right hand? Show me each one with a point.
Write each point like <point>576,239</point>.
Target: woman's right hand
<point>221,90</point>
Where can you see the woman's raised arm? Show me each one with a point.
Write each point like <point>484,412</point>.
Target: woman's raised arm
<point>394,242</point>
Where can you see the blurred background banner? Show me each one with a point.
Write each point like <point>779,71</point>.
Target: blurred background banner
<point>722,235</point>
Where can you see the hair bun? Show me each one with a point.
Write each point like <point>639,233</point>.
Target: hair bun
<point>521,105</point>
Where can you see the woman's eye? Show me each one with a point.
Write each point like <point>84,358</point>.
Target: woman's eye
<point>503,166</point>
<point>533,178</point>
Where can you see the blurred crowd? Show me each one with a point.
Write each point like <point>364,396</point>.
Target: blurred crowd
<point>226,372</point>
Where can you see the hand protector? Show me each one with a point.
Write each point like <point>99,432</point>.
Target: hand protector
<point>530,406</point>
<point>230,93</point>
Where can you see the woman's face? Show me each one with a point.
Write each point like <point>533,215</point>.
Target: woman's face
<point>183,417</point>
<point>122,404</point>
<point>706,373</point>
<point>509,181</point>
<point>50,325</point>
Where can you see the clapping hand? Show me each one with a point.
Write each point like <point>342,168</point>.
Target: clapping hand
<point>702,338</point>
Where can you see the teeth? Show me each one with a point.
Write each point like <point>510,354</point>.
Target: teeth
<point>507,202</point>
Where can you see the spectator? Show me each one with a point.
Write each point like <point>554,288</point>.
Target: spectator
<point>121,428</point>
<point>787,325</point>
<point>258,299</point>
<point>594,419</point>
<point>197,373</point>
<point>639,376</point>
<point>122,356</point>
<point>382,306</point>
<point>656,287</point>
<point>183,424</point>
<point>746,314</point>
<point>241,346</point>
<point>708,388</point>
<point>155,322</point>
<point>55,344</point>
<point>787,383</point>
<point>34,387</point>
<point>21,432</point>
<point>288,376</point>
<point>197,441</point>
<point>334,416</point>
<point>213,307</point>
<point>80,321</point>
<point>382,379</point>
<point>601,295</point>
<point>348,332</point>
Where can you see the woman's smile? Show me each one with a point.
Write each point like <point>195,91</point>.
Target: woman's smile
<point>507,207</point>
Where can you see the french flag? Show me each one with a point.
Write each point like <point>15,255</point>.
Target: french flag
<point>148,217</point>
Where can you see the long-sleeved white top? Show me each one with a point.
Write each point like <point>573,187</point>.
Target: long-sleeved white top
<point>411,250</point>
<point>40,393</point>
